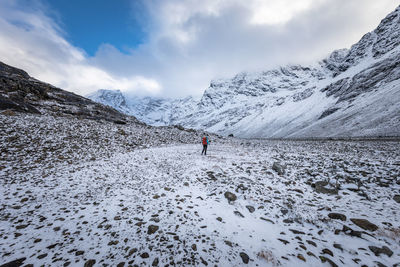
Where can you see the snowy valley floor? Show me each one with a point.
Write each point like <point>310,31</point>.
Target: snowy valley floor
<point>170,205</point>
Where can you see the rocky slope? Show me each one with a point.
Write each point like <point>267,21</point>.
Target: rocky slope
<point>20,92</point>
<point>353,92</point>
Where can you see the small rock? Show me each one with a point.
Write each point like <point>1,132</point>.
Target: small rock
<point>296,232</point>
<point>283,241</point>
<point>384,250</point>
<point>267,220</point>
<point>364,224</point>
<point>301,257</point>
<point>152,229</point>
<point>321,187</point>
<point>79,252</point>
<point>397,198</point>
<point>327,251</point>
<point>230,196</point>
<point>245,257</point>
<point>325,259</point>
<point>194,247</point>
<point>278,168</point>
<point>133,250</point>
<point>90,263</point>
<point>237,213</point>
<point>338,246</point>
<point>250,208</point>
<point>228,243</point>
<point>312,243</point>
<point>155,262</point>
<point>337,216</point>
<point>144,255</point>
<point>42,256</point>
<point>17,262</point>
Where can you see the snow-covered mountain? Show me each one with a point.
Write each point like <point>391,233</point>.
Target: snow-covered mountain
<point>352,92</point>
<point>151,110</point>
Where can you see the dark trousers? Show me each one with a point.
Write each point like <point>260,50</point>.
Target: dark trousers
<point>204,150</point>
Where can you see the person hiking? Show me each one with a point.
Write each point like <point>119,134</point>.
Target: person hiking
<point>205,144</point>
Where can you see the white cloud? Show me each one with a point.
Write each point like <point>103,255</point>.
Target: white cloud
<point>188,43</point>
<point>33,42</point>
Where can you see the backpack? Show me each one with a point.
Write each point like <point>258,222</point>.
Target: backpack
<point>204,140</point>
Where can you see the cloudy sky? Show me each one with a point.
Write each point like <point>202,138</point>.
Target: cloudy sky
<point>173,48</point>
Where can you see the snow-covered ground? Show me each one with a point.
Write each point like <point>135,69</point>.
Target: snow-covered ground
<point>169,205</point>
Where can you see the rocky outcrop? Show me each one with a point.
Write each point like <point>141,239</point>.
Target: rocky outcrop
<point>22,93</point>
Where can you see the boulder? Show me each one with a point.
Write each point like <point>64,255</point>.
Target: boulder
<point>230,196</point>
<point>337,216</point>
<point>278,168</point>
<point>364,224</point>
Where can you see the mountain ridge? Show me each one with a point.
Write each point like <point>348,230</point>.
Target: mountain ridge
<point>297,101</point>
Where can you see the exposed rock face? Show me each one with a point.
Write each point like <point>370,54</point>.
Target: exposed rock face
<point>20,92</point>
<point>352,92</point>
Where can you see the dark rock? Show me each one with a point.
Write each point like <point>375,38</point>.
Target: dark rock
<point>397,198</point>
<point>237,213</point>
<point>90,263</point>
<point>320,187</point>
<point>325,259</point>
<point>364,224</point>
<point>267,220</point>
<point>283,241</point>
<point>14,263</point>
<point>21,226</point>
<point>42,256</point>
<point>312,243</point>
<point>229,243</point>
<point>301,257</point>
<point>337,216</point>
<point>338,246</point>
<point>155,262</point>
<point>245,257</point>
<point>144,255</point>
<point>384,250</point>
<point>250,208</point>
<point>348,231</point>
<point>230,196</point>
<point>152,229</point>
<point>132,251</point>
<point>278,168</point>
<point>79,252</point>
<point>121,264</point>
<point>296,232</point>
<point>327,251</point>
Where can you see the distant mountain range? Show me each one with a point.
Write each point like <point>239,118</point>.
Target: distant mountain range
<point>353,92</point>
